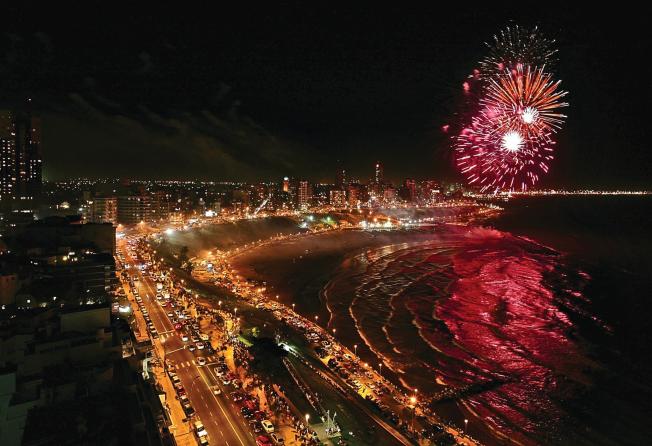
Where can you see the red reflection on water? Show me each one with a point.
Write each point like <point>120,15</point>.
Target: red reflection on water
<point>506,325</point>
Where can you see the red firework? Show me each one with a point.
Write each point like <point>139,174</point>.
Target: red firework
<point>509,143</point>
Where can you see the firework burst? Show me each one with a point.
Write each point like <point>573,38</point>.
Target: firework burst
<point>526,100</point>
<point>509,142</point>
<point>515,46</point>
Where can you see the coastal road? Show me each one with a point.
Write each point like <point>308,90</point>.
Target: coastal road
<point>219,416</point>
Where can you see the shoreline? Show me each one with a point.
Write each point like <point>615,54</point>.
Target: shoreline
<point>311,299</point>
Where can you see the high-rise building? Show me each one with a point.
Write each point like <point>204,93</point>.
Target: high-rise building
<point>135,208</point>
<point>8,174</point>
<point>341,179</point>
<point>20,160</point>
<point>379,173</point>
<point>354,195</point>
<point>104,210</point>
<point>304,195</point>
<point>428,191</point>
<point>389,195</point>
<point>410,190</point>
<point>286,184</point>
<point>337,198</point>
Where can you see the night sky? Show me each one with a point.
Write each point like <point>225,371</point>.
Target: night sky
<point>223,94</point>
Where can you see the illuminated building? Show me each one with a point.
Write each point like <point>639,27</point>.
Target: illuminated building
<point>341,179</point>
<point>409,190</point>
<point>104,210</point>
<point>337,198</point>
<point>133,209</point>
<point>286,184</point>
<point>304,195</point>
<point>428,191</point>
<point>8,176</point>
<point>20,160</point>
<point>354,195</point>
<point>389,195</point>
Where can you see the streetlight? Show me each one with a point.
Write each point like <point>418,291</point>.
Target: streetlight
<point>466,425</point>
<point>307,419</point>
<point>413,402</point>
<point>293,307</point>
<point>380,367</point>
<point>355,349</point>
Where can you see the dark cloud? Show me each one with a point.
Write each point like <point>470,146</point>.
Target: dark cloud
<point>106,140</point>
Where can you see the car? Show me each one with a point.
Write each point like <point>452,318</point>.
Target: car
<point>262,440</point>
<point>170,314</point>
<point>201,360</point>
<point>277,439</point>
<point>216,390</point>
<point>200,345</point>
<point>191,347</point>
<point>203,440</point>
<point>226,381</point>
<point>188,409</point>
<point>267,426</point>
<point>184,337</point>
<point>200,430</point>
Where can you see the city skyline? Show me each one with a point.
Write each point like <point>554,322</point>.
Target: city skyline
<point>348,98</point>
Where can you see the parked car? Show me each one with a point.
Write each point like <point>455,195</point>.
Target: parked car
<point>200,430</point>
<point>277,439</point>
<point>267,426</point>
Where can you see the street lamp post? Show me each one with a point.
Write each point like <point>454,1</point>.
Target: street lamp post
<point>413,403</point>
<point>355,349</point>
<point>466,425</point>
<point>380,367</point>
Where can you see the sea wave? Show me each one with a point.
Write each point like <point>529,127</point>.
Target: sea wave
<point>479,316</point>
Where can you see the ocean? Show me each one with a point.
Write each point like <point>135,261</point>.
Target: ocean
<point>535,326</point>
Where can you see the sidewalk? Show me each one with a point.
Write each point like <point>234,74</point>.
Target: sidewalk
<point>141,325</point>
<point>181,430</point>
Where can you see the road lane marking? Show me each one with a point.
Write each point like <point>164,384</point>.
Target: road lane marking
<point>228,419</point>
